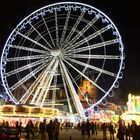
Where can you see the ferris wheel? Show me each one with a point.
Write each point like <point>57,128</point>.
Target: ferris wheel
<point>52,51</point>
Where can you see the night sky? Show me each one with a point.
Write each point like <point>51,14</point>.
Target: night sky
<point>125,16</point>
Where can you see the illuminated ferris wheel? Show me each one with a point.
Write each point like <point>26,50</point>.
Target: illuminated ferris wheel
<point>52,50</point>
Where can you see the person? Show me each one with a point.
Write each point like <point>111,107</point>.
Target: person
<point>56,129</point>
<point>92,128</point>
<point>96,128</point>
<point>50,130</point>
<point>88,127</point>
<point>29,129</point>
<point>111,130</point>
<point>104,129</point>
<point>17,124</point>
<point>66,126</point>
<point>20,128</point>
<point>121,132</point>
<point>83,128</point>
<point>43,126</point>
<point>40,127</point>
<point>134,130</point>
<point>127,131</point>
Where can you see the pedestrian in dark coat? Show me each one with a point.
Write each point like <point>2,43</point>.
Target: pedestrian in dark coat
<point>88,127</point>
<point>56,129</point>
<point>50,130</point>
<point>43,127</point>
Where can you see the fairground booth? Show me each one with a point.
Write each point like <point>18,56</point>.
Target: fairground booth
<point>133,111</point>
<point>13,113</point>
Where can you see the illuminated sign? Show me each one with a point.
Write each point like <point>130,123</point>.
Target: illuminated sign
<point>137,104</point>
<point>133,103</point>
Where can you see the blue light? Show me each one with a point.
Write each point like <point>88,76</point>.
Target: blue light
<point>66,7</point>
<point>104,101</point>
<point>87,113</point>
<point>111,93</point>
<point>43,13</point>
<point>90,12</point>
<point>96,108</point>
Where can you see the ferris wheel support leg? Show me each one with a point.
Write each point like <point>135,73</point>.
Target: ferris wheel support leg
<point>69,104</point>
<point>50,77</point>
<point>37,94</point>
<point>75,98</point>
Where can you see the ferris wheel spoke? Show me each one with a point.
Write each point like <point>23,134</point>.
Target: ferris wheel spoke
<point>54,88</point>
<point>29,31</point>
<point>35,42</point>
<point>28,66</point>
<point>42,92</point>
<point>27,49</point>
<point>82,31</point>
<point>95,46</point>
<point>43,78</point>
<point>31,89</point>
<point>48,31</point>
<point>56,28</point>
<point>85,77</point>
<point>52,73</point>
<point>48,83</point>
<point>46,92</point>
<point>73,29</point>
<point>87,56</point>
<point>99,32</point>
<point>65,27</point>
<point>73,92</point>
<point>25,58</point>
<point>27,77</point>
<point>66,91</point>
<point>40,35</point>
<point>92,67</point>
<point>78,88</point>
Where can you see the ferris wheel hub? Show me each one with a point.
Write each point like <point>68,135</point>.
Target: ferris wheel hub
<point>55,52</point>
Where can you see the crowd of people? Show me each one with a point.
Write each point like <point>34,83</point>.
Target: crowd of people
<point>125,132</point>
<point>51,129</point>
<point>31,129</point>
<point>119,130</point>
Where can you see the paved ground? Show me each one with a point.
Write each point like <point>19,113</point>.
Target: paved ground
<point>73,134</point>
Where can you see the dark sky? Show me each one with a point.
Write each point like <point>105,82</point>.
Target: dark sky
<point>125,16</point>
